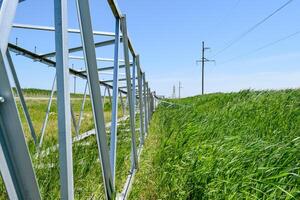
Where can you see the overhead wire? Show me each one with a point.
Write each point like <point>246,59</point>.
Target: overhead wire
<point>252,28</point>
<point>263,47</point>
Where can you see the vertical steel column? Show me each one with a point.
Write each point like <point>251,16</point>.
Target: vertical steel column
<point>81,109</point>
<point>15,163</point>
<point>148,102</point>
<point>140,89</point>
<point>134,84</point>
<point>129,91</point>
<point>151,103</point>
<point>20,94</point>
<point>133,89</point>
<point>63,99</point>
<point>114,115</point>
<point>7,15</point>
<point>47,113</point>
<point>145,103</point>
<point>85,25</point>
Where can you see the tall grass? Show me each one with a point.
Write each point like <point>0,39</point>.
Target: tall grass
<point>242,145</point>
<point>87,170</point>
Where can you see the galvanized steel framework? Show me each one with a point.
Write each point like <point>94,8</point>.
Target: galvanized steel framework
<point>15,163</point>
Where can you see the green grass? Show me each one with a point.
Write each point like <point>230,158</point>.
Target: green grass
<point>87,170</point>
<point>242,145</point>
<point>33,92</point>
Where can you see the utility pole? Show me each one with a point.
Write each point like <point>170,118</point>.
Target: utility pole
<point>203,61</point>
<point>179,88</point>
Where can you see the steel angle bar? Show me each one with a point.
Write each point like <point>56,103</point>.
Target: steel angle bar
<point>107,68</point>
<point>145,104</point>
<point>117,13</point>
<point>85,24</point>
<point>79,48</point>
<point>129,91</point>
<point>63,99</point>
<point>133,106</point>
<point>47,112</point>
<point>15,163</point>
<point>98,59</point>
<point>109,81</point>
<point>140,91</point>
<point>152,104</point>
<point>114,115</point>
<point>7,14</point>
<point>148,102</point>
<point>49,28</point>
<point>134,84</point>
<point>130,179</point>
<point>48,62</point>
<point>125,87</point>
<point>20,94</point>
<point>82,109</point>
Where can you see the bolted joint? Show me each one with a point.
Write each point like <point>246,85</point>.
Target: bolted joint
<point>2,100</point>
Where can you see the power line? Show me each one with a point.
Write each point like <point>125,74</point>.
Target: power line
<point>225,17</point>
<point>263,47</point>
<point>253,27</point>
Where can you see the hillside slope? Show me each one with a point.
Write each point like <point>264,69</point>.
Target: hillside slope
<point>242,145</point>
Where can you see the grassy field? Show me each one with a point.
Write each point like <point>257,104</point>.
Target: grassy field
<point>242,145</point>
<point>87,170</point>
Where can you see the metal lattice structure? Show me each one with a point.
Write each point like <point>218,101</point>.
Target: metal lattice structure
<point>15,163</point>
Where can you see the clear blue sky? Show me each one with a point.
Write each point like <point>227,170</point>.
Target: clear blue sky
<point>168,34</point>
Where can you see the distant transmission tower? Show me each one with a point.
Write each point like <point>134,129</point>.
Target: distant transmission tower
<point>174,92</point>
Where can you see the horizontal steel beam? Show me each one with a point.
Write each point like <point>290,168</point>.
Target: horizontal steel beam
<point>107,68</point>
<point>52,29</point>
<point>31,55</point>
<point>110,81</point>
<point>124,87</point>
<point>79,48</point>
<point>98,59</point>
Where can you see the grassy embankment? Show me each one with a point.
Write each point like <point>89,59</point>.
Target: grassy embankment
<point>242,145</point>
<point>87,170</point>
